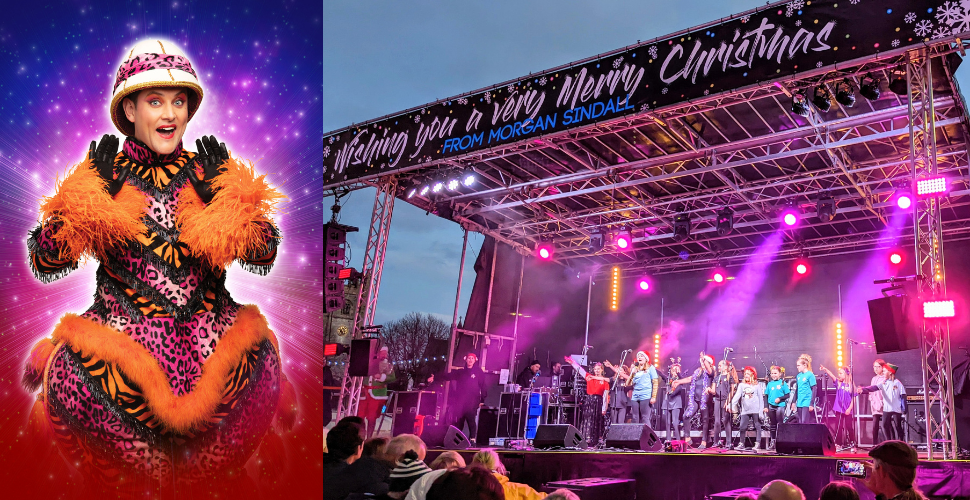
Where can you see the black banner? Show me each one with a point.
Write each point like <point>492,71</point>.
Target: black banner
<point>771,43</point>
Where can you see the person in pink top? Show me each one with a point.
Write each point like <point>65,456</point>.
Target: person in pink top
<point>875,400</point>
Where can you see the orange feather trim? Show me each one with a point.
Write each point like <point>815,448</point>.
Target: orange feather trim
<point>227,228</point>
<point>91,221</point>
<point>34,371</point>
<point>187,412</point>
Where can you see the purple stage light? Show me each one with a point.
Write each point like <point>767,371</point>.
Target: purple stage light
<point>643,284</point>
<point>896,258</point>
<point>789,217</point>
<point>718,277</point>
<point>904,201</point>
<point>624,240</point>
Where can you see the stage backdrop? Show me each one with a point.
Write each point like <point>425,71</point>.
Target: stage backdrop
<point>261,72</point>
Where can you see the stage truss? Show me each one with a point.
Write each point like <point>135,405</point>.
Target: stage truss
<point>744,150</point>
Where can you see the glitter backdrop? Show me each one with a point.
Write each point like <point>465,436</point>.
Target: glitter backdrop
<point>260,67</point>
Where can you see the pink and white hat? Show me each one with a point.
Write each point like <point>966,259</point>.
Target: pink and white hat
<point>152,64</point>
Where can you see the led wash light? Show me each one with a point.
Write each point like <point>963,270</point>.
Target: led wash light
<point>932,186</point>
<point>939,309</point>
<point>624,240</point>
<point>643,284</point>
<point>904,201</point>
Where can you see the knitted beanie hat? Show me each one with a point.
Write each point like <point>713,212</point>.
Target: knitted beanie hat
<point>407,470</point>
<point>152,64</point>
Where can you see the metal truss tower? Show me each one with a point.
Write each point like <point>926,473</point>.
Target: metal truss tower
<point>930,272</point>
<point>373,266</point>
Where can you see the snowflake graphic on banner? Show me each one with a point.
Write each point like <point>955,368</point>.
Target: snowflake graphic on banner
<point>664,91</point>
<point>909,18</point>
<point>707,91</point>
<point>652,51</point>
<point>511,88</point>
<point>798,22</point>
<point>956,17</point>
<point>326,151</point>
<point>617,62</point>
<point>923,28</point>
<point>818,64</point>
<point>896,43</point>
<point>644,107</point>
<point>417,118</point>
<point>488,97</point>
<point>745,19</point>
<point>543,81</point>
<point>793,6</point>
<point>331,140</point>
<point>854,2</point>
<point>462,101</point>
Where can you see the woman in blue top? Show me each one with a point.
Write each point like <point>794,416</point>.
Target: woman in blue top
<point>777,393</point>
<point>645,385</point>
<point>806,389</point>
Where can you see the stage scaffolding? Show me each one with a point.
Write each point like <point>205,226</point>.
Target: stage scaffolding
<point>742,149</point>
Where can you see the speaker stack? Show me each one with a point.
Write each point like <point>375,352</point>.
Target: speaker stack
<point>558,436</point>
<point>633,437</point>
<point>804,439</point>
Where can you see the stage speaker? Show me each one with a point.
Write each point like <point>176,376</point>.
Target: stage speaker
<point>558,436</point>
<point>445,436</point>
<point>596,488</point>
<point>633,437</point>
<point>487,425</point>
<point>363,358</point>
<point>894,327</point>
<point>406,409</point>
<point>804,439</point>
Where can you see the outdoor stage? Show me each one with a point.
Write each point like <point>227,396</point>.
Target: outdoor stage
<point>697,474</point>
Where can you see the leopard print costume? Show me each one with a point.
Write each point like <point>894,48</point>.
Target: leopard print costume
<point>177,309</point>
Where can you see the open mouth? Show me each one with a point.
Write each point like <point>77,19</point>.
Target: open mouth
<point>167,132</point>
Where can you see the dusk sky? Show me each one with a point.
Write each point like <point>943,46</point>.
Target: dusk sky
<point>385,57</point>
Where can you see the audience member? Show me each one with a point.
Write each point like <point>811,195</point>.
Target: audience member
<point>488,459</point>
<point>368,474</point>
<point>344,447</point>
<point>472,483</point>
<point>839,490</point>
<point>893,472</point>
<point>781,490</point>
<point>404,442</point>
<point>562,494</point>
<point>746,496</point>
<point>446,461</point>
<point>408,469</point>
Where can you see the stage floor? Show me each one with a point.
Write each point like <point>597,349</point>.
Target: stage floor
<point>696,474</point>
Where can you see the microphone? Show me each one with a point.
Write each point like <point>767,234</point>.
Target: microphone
<point>587,347</point>
<point>729,349</point>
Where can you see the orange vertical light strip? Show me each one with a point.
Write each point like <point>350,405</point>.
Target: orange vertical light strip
<point>656,350</point>
<point>615,296</point>
<point>838,344</point>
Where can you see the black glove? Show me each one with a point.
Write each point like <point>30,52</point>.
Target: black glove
<point>211,154</point>
<point>103,157</point>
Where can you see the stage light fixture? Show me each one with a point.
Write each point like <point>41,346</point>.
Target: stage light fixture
<point>939,309</point>
<point>789,215</point>
<point>825,208</point>
<point>615,296</point>
<point>838,344</point>
<point>412,192</point>
<point>799,103</point>
<point>545,250</point>
<point>624,240</point>
<point>643,284</point>
<point>468,179</point>
<point>896,258</point>
<point>845,93</point>
<point>821,98</point>
<point>656,350</point>
<point>596,240</point>
<point>453,184</point>
<point>801,268</point>
<point>931,186</point>
<point>424,190</point>
<point>904,201</point>
<point>725,221</point>
<point>718,277</point>
<point>869,87</point>
<point>681,227</point>
<point>898,83</point>
<point>437,186</point>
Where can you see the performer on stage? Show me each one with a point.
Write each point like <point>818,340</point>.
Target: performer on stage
<point>620,394</point>
<point>749,401</point>
<point>646,383</point>
<point>843,405</point>
<point>375,397</point>
<point>724,387</point>
<point>777,393</point>
<point>875,399</point>
<point>593,410</point>
<point>674,402</point>
<point>699,395</point>
<point>806,390</point>
<point>467,395</point>
<point>164,377</point>
<point>528,375</point>
<point>893,393</point>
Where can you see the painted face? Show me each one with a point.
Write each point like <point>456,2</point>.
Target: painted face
<point>877,368</point>
<point>159,116</point>
<point>775,375</point>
